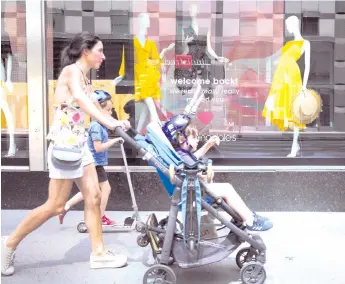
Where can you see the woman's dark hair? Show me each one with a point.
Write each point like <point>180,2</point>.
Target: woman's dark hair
<point>73,51</point>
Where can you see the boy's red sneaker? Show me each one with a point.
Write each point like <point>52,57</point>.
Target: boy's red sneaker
<point>107,222</point>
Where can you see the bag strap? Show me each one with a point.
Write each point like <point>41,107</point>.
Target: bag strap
<point>66,149</point>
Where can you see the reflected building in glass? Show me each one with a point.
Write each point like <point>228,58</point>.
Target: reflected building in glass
<point>220,70</point>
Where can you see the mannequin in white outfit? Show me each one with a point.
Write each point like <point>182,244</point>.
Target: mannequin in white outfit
<point>6,83</point>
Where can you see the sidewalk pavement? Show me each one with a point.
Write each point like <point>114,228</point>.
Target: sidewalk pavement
<point>301,248</point>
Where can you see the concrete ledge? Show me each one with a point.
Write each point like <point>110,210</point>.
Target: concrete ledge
<point>266,191</point>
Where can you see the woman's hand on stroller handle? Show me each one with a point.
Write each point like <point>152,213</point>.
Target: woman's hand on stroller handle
<point>119,131</point>
<point>124,124</point>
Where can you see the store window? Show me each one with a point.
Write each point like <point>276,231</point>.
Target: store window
<point>310,26</point>
<point>14,94</point>
<point>322,63</point>
<point>110,21</point>
<point>228,97</point>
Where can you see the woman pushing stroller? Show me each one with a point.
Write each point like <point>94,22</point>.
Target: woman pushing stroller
<point>99,145</point>
<point>68,135</point>
<point>184,138</point>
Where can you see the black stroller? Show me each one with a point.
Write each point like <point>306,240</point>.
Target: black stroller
<point>183,243</point>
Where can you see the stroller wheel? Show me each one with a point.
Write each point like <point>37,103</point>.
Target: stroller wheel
<point>159,274</point>
<point>245,255</point>
<point>143,240</point>
<point>253,273</point>
<point>82,227</point>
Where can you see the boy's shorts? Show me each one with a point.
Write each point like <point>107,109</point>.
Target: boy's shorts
<point>101,173</point>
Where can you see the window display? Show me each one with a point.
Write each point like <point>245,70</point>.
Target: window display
<point>13,89</point>
<point>147,63</point>
<point>287,85</point>
<point>6,72</point>
<point>263,76</point>
<point>196,41</point>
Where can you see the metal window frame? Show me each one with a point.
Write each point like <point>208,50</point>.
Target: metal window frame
<point>36,83</point>
<point>228,169</point>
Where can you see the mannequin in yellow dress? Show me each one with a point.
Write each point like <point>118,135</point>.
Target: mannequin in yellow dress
<point>147,63</point>
<point>287,83</point>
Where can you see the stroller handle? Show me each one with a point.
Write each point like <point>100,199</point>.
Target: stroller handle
<point>120,132</point>
<point>133,130</point>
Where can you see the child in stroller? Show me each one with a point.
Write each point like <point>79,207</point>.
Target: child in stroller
<point>185,141</point>
<point>168,149</point>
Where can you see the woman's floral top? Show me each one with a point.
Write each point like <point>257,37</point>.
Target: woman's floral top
<point>68,128</point>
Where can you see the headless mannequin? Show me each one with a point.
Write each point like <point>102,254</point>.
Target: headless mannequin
<point>149,108</point>
<point>198,96</point>
<point>293,27</point>
<point>4,104</point>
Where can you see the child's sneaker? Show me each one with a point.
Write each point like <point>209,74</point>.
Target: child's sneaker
<point>262,217</point>
<point>7,258</point>
<point>107,222</point>
<point>260,224</point>
<point>108,259</point>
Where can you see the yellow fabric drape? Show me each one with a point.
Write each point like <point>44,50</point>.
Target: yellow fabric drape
<point>147,63</point>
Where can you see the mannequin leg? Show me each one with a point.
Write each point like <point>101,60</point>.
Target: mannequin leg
<point>295,146</point>
<point>190,106</point>
<point>161,109</point>
<point>268,121</point>
<point>268,118</point>
<point>197,103</point>
<point>142,119</point>
<point>2,74</point>
<point>149,109</point>
<point>10,125</point>
<point>152,110</point>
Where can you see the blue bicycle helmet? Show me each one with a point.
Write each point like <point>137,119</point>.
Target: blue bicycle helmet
<point>101,96</point>
<point>175,126</point>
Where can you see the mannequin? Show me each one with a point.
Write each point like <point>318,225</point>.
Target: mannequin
<point>287,83</point>
<point>6,60</point>
<point>193,40</point>
<point>146,70</point>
